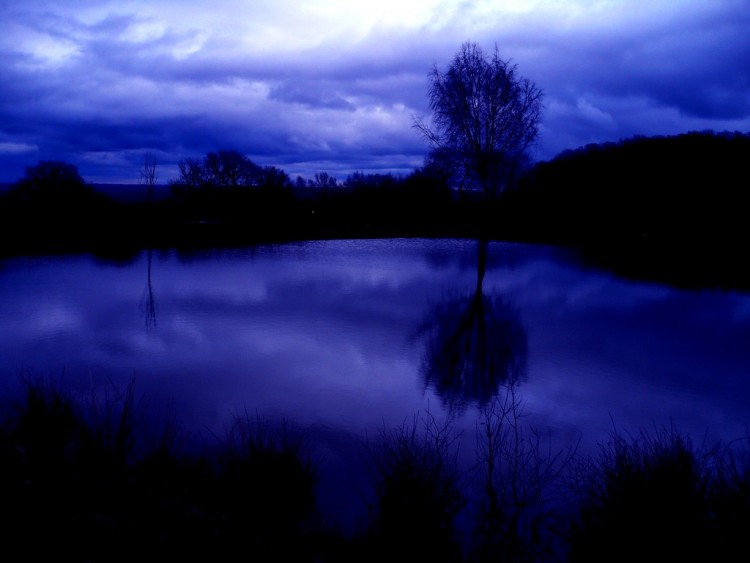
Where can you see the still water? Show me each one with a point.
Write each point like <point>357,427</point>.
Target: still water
<point>346,338</point>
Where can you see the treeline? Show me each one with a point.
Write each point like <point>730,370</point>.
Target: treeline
<point>687,188</point>
<point>680,190</point>
<point>223,199</point>
<point>227,188</point>
<point>670,209</point>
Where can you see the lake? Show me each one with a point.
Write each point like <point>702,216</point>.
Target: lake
<point>346,338</point>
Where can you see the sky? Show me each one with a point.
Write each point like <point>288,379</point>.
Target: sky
<point>335,85</point>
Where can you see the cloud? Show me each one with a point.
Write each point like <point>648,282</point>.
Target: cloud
<point>17,148</point>
<point>310,94</point>
<point>301,85</point>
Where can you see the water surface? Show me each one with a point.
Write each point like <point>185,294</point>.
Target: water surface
<point>348,337</point>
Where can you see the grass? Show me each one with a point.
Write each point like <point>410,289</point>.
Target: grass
<point>79,475</point>
<point>85,478</point>
<point>658,493</point>
<point>419,492</point>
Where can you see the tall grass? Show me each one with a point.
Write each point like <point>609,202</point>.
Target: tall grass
<point>80,479</point>
<point>419,491</point>
<point>659,496</point>
<point>85,479</point>
<point>266,488</point>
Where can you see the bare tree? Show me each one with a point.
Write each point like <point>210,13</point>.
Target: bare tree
<point>221,170</point>
<point>148,174</point>
<point>231,169</point>
<point>520,485</point>
<point>484,119</point>
<point>323,180</point>
<point>192,175</point>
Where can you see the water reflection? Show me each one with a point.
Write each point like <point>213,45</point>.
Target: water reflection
<point>474,344</point>
<point>320,332</point>
<point>148,300</point>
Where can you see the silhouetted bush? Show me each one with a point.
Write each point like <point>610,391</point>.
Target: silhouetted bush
<point>266,489</point>
<point>419,492</point>
<point>659,496</point>
<point>519,486</point>
<point>79,480</point>
<point>86,479</point>
<point>63,480</point>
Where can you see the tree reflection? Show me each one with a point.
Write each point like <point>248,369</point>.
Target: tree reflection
<point>474,344</point>
<point>148,301</point>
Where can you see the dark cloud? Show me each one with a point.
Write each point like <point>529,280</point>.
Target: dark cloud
<point>311,94</point>
<point>98,84</point>
<point>689,71</point>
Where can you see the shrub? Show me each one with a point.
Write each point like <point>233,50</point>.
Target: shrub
<point>519,482</point>
<point>266,488</point>
<point>662,496</point>
<point>419,491</point>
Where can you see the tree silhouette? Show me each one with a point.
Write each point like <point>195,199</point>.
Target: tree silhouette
<point>230,169</point>
<point>484,118</point>
<point>53,195</point>
<point>323,180</point>
<point>52,182</point>
<point>148,174</point>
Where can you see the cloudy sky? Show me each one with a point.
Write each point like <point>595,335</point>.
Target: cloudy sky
<point>334,85</point>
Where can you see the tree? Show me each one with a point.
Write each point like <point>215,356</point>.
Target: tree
<point>52,180</point>
<point>231,169</point>
<point>192,175</point>
<point>484,119</point>
<point>323,180</point>
<point>148,174</point>
<point>52,198</point>
<point>273,178</point>
<point>222,169</point>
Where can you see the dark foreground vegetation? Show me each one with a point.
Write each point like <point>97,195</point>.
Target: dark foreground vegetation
<point>670,208</point>
<point>93,479</point>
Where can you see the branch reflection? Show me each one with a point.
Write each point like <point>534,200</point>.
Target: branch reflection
<point>474,343</point>
<point>148,300</point>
